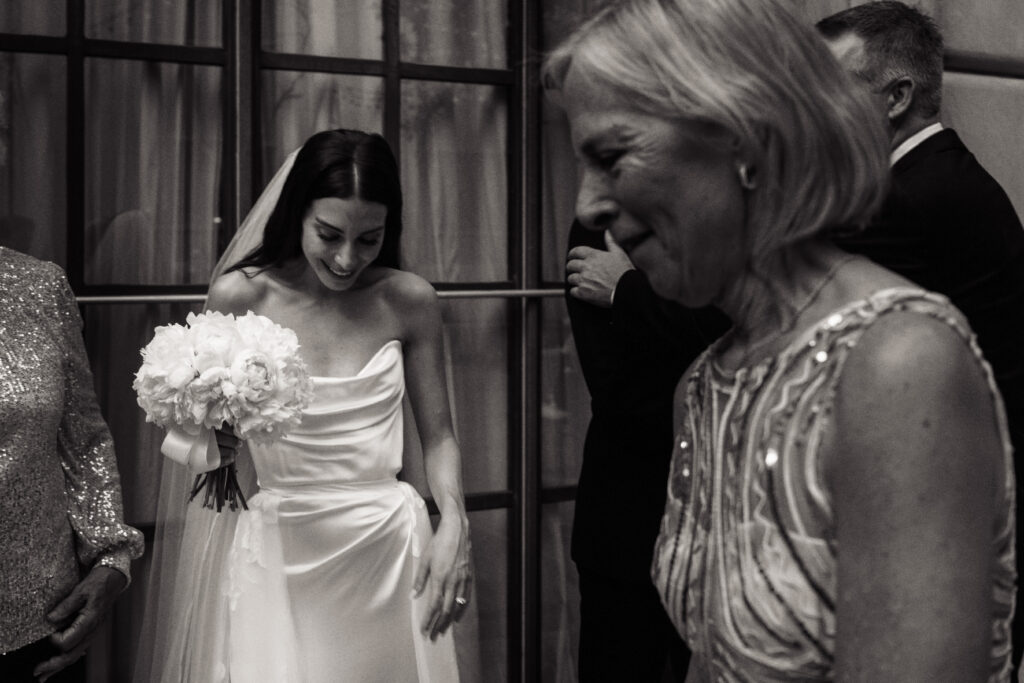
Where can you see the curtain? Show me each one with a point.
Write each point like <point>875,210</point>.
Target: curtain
<point>33,210</point>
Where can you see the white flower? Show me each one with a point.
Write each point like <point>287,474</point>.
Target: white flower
<point>254,376</point>
<point>244,372</point>
<point>166,371</point>
<point>204,395</point>
<point>214,339</point>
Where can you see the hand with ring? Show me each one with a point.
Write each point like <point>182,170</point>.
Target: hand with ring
<point>444,578</point>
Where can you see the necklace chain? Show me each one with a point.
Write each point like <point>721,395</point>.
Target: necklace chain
<point>797,312</point>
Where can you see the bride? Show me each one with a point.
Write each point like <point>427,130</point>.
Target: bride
<point>334,572</point>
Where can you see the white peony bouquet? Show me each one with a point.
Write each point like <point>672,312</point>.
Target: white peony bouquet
<point>219,371</point>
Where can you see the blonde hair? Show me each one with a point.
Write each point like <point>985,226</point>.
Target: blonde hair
<point>767,80</point>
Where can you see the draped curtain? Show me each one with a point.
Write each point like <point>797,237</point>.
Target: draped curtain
<point>33,210</point>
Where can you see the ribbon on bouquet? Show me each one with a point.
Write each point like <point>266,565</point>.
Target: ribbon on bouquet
<point>199,453</point>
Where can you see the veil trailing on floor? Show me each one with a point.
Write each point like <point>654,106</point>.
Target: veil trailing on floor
<point>182,637</point>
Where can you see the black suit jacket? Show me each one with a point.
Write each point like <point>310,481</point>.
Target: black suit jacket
<point>948,226</point>
<point>632,356</point>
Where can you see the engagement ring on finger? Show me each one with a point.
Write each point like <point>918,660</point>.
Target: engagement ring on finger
<point>460,601</point>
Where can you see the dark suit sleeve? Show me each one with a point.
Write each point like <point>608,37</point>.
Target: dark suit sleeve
<point>632,356</point>
<point>674,328</point>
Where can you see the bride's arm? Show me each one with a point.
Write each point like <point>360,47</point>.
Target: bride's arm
<point>444,567</point>
<point>234,293</point>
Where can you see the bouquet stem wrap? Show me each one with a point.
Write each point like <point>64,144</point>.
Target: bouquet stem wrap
<point>221,487</point>
<point>200,454</point>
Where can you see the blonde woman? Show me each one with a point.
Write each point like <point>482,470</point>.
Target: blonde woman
<point>840,502</point>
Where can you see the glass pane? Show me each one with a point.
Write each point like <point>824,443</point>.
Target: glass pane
<point>565,400</point>
<point>153,171</point>
<point>560,596</point>
<point>298,104</point>
<point>476,363</point>
<point>454,178</point>
<point>114,333</point>
<point>39,17</point>
<point>481,637</point>
<point>476,353</point>
<point>559,184</point>
<point>988,113</point>
<point>558,163</point>
<point>324,27</point>
<point>188,22</point>
<point>33,155</point>
<point>992,27</point>
<point>468,33</point>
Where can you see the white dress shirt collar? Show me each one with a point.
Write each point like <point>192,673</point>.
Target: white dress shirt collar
<point>913,141</point>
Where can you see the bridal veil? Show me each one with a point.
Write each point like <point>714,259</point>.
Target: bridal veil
<point>182,637</point>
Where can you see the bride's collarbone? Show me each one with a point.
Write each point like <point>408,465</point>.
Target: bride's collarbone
<point>332,327</point>
<point>336,342</point>
<point>341,306</point>
<point>337,357</point>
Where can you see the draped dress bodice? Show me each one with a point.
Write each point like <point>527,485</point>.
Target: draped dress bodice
<point>351,433</point>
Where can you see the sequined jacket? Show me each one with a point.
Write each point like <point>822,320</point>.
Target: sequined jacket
<point>60,493</point>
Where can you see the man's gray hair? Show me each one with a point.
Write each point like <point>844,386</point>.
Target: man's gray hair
<point>899,41</point>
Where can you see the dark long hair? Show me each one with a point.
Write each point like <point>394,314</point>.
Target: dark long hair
<point>332,163</point>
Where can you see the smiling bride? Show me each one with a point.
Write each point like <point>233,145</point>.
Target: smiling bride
<point>334,569</point>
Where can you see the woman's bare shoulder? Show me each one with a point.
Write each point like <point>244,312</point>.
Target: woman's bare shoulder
<point>908,345</point>
<point>238,291</point>
<point>407,292</point>
<point>912,379</point>
<point>413,303</point>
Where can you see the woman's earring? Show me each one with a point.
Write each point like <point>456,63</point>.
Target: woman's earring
<point>746,181</point>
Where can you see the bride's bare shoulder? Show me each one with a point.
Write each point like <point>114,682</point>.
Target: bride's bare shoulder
<point>407,291</point>
<point>238,291</point>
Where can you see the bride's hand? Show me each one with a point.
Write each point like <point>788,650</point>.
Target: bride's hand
<point>444,566</point>
<point>228,444</point>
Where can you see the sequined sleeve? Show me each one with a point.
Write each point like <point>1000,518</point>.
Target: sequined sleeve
<point>87,453</point>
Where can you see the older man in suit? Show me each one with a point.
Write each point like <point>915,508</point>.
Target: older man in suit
<point>947,224</point>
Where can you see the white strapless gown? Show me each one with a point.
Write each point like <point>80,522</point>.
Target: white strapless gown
<point>320,574</point>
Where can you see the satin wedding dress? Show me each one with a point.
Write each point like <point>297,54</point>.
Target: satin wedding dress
<point>316,585</point>
<point>321,570</point>
<point>312,584</point>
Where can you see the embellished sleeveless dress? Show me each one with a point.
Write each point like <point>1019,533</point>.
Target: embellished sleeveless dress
<point>320,574</point>
<point>746,560</point>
